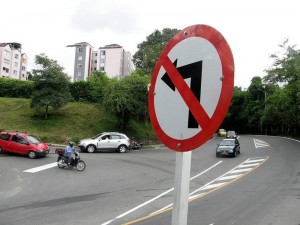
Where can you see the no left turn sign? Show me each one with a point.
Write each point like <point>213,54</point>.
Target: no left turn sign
<point>191,88</point>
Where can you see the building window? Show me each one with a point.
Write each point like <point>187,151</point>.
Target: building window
<point>102,53</point>
<point>5,69</point>
<point>79,73</point>
<point>23,68</point>
<point>101,68</point>
<point>16,56</point>
<point>80,49</point>
<point>102,60</point>
<point>16,64</point>
<point>80,57</point>
<point>7,53</point>
<point>6,61</point>
<point>15,72</point>
<point>95,61</point>
<point>79,66</point>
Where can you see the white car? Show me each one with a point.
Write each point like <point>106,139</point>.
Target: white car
<point>112,141</point>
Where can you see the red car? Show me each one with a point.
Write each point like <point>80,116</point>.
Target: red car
<point>23,144</point>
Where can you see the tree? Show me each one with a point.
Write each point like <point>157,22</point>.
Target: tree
<point>127,98</point>
<point>149,51</point>
<point>98,81</point>
<point>285,72</point>
<point>51,87</point>
<point>286,67</point>
<point>235,119</point>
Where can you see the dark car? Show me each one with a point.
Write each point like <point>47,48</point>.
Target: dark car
<point>23,144</point>
<point>231,134</point>
<point>228,147</point>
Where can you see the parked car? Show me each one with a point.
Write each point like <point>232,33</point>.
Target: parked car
<point>228,147</point>
<point>112,141</point>
<point>231,134</point>
<point>222,133</point>
<point>23,144</point>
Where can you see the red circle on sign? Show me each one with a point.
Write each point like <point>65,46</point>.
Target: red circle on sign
<point>208,125</point>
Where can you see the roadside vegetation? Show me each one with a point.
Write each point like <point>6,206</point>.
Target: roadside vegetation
<point>75,121</point>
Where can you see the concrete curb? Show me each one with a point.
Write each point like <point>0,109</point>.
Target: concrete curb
<point>145,147</point>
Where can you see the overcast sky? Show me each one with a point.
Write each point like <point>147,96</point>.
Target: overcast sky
<point>252,28</point>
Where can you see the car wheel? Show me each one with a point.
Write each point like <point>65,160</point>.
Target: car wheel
<point>122,149</point>
<point>1,150</point>
<point>217,154</point>
<point>91,148</point>
<point>32,155</point>
<point>235,154</point>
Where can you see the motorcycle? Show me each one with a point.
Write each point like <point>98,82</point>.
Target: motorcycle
<point>62,161</point>
<point>134,144</point>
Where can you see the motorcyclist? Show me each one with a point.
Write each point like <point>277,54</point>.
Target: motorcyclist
<point>69,150</point>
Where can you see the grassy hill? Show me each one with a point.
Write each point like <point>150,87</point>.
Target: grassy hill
<point>75,121</point>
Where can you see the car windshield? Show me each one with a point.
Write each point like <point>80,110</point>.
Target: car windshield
<point>96,136</point>
<point>231,132</point>
<point>227,142</point>
<point>33,140</point>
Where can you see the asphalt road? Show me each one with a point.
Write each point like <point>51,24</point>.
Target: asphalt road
<point>261,186</point>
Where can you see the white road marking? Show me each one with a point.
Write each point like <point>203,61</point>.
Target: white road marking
<point>41,168</point>
<point>241,170</point>
<point>260,144</point>
<point>230,177</point>
<point>248,165</point>
<point>157,197</point>
<point>211,186</point>
<point>254,160</point>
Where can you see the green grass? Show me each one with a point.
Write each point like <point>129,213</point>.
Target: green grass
<point>75,121</point>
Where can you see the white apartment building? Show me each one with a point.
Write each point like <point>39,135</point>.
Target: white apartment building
<point>13,62</point>
<point>111,59</point>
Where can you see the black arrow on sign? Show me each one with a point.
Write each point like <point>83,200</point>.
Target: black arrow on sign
<point>193,71</point>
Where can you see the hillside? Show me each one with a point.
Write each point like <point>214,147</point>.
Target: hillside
<point>75,121</point>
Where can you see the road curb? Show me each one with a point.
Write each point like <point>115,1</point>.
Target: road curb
<point>145,147</point>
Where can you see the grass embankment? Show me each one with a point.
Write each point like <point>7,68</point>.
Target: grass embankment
<point>75,121</point>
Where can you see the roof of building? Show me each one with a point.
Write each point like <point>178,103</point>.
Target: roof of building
<point>13,45</point>
<point>111,46</point>
<point>80,44</point>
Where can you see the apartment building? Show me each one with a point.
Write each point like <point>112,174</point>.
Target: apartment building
<point>82,61</point>
<point>13,62</point>
<point>111,59</point>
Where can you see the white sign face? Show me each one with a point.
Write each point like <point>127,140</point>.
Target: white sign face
<point>193,51</point>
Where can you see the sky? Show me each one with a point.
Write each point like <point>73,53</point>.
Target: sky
<point>252,28</point>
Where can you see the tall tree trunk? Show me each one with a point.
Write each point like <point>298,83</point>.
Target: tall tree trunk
<point>46,112</point>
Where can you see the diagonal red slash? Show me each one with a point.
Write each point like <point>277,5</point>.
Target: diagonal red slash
<point>189,98</point>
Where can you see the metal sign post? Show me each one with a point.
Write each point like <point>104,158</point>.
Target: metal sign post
<point>182,185</point>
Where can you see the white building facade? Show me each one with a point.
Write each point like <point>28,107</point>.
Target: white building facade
<point>13,62</point>
<point>111,59</point>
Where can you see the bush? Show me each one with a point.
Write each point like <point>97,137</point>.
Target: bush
<point>15,88</point>
<point>80,91</point>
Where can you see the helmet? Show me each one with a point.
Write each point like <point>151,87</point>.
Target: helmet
<point>71,143</point>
